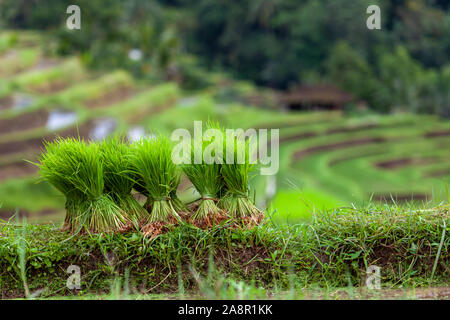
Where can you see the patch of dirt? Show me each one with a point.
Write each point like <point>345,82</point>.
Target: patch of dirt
<point>384,254</point>
<point>110,98</point>
<point>24,121</point>
<point>439,173</point>
<point>329,147</point>
<point>154,229</point>
<point>353,157</point>
<point>50,87</point>
<point>82,130</point>
<point>250,258</point>
<point>21,213</point>
<point>403,162</point>
<point>11,60</point>
<point>294,137</point>
<point>363,293</point>
<point>306,135</point>
<point>208,222</point>
<point>290,124</point>
<point>45,63</point>
<point>352,128</point>
<point>12,147</point>
<point>401,197</point>
<point>435,134</point>
<point>6,102</point>
<point>17,169</point>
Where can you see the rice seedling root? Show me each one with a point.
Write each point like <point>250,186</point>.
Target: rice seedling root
<point>153,229</point>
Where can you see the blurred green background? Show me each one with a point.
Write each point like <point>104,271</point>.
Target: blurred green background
<point>363,114</point>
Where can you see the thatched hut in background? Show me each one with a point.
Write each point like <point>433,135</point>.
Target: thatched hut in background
<point>315,97</point>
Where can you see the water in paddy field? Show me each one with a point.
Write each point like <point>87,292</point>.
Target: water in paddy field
<point>22,102</point>
<point>103,128</point>
<point>269,192</point>
<point>187,102</point>
<point>60,119</point>
<point>136,133</point>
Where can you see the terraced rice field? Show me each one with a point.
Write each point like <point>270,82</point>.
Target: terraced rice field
<point>326,158</point>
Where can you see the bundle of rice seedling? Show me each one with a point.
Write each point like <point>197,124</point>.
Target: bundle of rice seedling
<point>235,174</point>
<point>55,169</point>
<point>158,176</point>
<point>76,169</point>
<point>207,180</point>
<point>118,176</point>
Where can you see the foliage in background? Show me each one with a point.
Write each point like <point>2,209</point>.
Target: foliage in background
<point>77,169</point>
<point>276,43</point>
<point>334,251</point>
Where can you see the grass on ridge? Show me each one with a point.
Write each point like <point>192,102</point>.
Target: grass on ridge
<point>408,244</point>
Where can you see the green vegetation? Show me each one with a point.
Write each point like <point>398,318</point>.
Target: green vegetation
<point>97,180</point>
<point>206,178</point>
<point>235,175</point>
<point>118,176</point>
<point>77,170</point>
<point>157,176</point>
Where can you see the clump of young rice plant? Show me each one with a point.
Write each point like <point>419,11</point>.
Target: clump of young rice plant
<point>55,169</point>
<point>76,169</point>
<point>119,178</point>
<point>206,178</point>
<point>235,172</point>
<point>158,176</point>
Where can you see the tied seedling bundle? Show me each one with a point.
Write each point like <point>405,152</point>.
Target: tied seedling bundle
<point>238,165</point>
<point>205,177</point>
<point>158,178</point>
<point>76,169</point>
<point>119,179</point>
<point>54,169</point>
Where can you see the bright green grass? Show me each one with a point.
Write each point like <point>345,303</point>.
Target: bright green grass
<point>292,206</point>
<point>333,251</point>
<point>145,102</point>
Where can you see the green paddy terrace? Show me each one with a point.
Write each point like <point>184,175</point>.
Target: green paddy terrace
<point>327,159</point>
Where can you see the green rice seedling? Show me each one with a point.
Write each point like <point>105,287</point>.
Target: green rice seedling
<point>158,176</point>
<point>55,169</point>
<point>119,178</point>
<point>207,180</point>
<point>76,169</point>
<point>101,214</point>
<point>235,174</point>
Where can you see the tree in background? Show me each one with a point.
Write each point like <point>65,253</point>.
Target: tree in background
<point>349,70</point>
<point>275,43</point>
